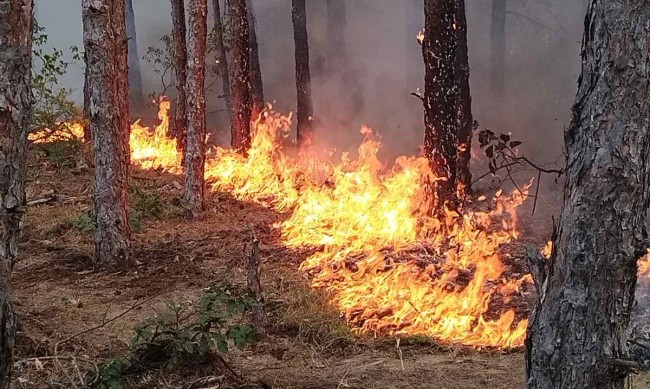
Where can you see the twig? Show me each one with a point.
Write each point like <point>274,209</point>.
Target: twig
<point>43,200</point>
<point>539,178</point>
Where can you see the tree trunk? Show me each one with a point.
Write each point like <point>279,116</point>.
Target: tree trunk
<point>86,107</point>
<point>179,36</point>
<point>16,17</point>
<point>463,102</point>
<point>498,58</point>
<point>303,77</point>
<point>135,77</point>
<point>577,333</point>
<point>195,154</point>
<point>257,85</point>
<point>105,45</point>
<point>336,43</point>
<point>224,70</point>
<point>241,83</point>
<point>440,139</point>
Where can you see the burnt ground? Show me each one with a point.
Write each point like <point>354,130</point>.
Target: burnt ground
<point>66,306</point>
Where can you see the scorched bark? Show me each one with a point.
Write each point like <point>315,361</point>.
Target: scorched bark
<point>105,43</point>
<point>241,83</point>
<point>257,84</point>
<point>15,109</point>
<point>179,34</point>
<point>224,70</point>
<point>303,77</point>
<point>135,77</point>
<point>463,101</point>
<point>440,139</point>
<point>577,333</point>
<point>196,124</point>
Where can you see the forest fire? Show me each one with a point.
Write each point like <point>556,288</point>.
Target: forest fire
<point>389,268</point>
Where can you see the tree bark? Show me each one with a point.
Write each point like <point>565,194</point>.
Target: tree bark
<point>498,39</point>
<point>440,139</point>
<point>577,333</point>
<point>241,83</point>
<point>336,43</point>
<point>179,36</point>
<point>105,45</point>
<point>16,18</point>
<point>135,76</point>
<point>257,84</point>
<point>86,107</point>
<point>196,122</point>
<point>224,69</point>
<point>463,102</point>
<point>303,77</point>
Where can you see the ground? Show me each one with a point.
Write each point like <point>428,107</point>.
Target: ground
<point>67,307</point>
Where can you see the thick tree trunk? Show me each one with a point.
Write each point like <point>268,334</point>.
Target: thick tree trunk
<point>135,77</point>
<point>336,43</point>
<point>195,154</point>
<point>257,84</point>
<point>241,83</point>
<point>179,36</point>
<point>440,139</point>
<point>577,333</point>
<point>303,77</point>
<point>463,102</point>
<point>224,69</point>
<point>105,43</point>
<point>498,58</point>
<point>15,108</point>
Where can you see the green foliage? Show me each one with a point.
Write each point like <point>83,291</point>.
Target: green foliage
<point>85,222</point>
<point>183,333</point>
<point>62,154</point>
<point>499,149</point>
<point>52,104</point>
<point>149,205</point>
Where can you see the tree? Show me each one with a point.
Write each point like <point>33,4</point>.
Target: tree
<point>105,42</point>
<point>303,77</point>
<point>15,110</point>
<point>463,101</point>
<point>86,107</point>
<point>440,139</point>
<point>577,332</point>
<point>196,125</point>
<point>135,78</point>
<point>498,38</point>
<point>224,70</point>
<point>241,83</point>
<point>179,34</point>
<point>257,85</point>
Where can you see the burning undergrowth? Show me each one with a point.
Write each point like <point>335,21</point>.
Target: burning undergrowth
<point>389,267</point>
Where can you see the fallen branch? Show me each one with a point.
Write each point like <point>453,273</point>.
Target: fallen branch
<point>42,200</point>
<point>255,286</point>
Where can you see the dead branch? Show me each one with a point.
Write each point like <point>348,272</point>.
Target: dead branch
<point>538,268</point>
<point>42,200</point>
<point>255,286</point>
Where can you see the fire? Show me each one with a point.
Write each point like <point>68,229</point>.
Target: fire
<point>389,267</point>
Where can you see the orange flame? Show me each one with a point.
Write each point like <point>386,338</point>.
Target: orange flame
<point>390,268</point>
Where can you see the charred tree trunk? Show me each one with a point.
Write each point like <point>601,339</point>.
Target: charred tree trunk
<point>195,153</point>
<point>241,83</point>
<point>336,43</point>
<point>498,58</point>
<point>105,45</point>
<point>463,102</point>
<point>135,77</point>
<point>224,70</point>
<point>86,107</point>
<point>179,36</point>
<point>15,109</point>
<point>440,139</point>
<point>577,333</point>
<point>303,77</point>
<point>257,85</point>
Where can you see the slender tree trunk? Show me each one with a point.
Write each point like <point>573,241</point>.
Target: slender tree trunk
<point>179,36</point>
<point>135,77</point>
<point>105,45</point>
<point>224,69</point>
<point>16,17</point>
<point>463,102</point>
<point>241,83</point>
<point>337,53</point>
<point>257,84</point>
<point>195,154</point>
<point>577,333</point>
<point>440,139</point>
<point>498,58</point>
<point>303,77</point>
<point>86,107</point>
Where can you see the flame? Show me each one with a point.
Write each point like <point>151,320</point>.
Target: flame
<point>389,267</point>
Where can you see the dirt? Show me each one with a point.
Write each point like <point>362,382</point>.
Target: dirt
<point>74,316</point>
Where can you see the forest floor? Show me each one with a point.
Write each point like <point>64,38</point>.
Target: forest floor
<point>66,307</point>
